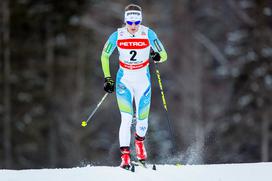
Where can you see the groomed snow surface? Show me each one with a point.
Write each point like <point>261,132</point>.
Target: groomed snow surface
<point>219,172</point>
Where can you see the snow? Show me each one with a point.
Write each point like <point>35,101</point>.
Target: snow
<point>219,172</point>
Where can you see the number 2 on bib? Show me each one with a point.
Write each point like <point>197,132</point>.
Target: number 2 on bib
<point>133,53</point>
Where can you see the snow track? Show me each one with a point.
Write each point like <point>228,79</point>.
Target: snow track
<point>219,172</point>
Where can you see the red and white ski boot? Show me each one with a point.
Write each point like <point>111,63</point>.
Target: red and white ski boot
<point>140,149</point>
<point>125,156</point>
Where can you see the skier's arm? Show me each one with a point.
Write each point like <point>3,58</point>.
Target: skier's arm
<point>157,45</point>
<point>106,53</point>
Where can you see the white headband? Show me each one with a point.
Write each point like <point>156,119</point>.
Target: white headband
<point>133,15</point>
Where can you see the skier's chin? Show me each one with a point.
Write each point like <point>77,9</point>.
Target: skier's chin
<point>133,30</point>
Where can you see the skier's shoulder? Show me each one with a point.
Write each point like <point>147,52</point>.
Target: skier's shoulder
<point>122,29</point>
<point>151,33</point>
<point>114,33</point>
<point>113,36</point>
<point>143,27</point>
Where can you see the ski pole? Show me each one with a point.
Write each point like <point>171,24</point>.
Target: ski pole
<point>164,104</point>
<point>84,123</point>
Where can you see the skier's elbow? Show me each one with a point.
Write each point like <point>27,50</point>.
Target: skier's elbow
<point>104,57</point>
<point>163,55</point>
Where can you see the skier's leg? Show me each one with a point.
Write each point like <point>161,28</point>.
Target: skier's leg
<point>125,104</point>
<point>142,101</point>
<point>124,99</point>
<point>124,131</point>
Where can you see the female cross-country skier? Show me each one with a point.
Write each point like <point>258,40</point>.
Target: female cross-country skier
<point>133,78</point>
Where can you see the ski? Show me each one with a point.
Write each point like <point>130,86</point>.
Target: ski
<point>129,168</point>
<point>144,165</point>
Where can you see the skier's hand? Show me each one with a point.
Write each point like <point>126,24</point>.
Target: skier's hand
<point>109,85</point>
<point>155,56</point>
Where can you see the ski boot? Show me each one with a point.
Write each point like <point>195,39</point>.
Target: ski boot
<point>125,156</point>
<point>140,149</point>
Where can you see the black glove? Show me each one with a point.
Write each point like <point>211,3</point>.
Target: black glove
<point>109,85</point>
<point>155,56</point>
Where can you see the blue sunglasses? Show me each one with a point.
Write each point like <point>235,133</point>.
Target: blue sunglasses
<point>131,22</point>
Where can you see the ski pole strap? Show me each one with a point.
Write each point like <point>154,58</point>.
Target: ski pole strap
<point>161,88</point>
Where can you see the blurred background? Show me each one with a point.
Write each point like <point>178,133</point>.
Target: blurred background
<point>217,81</point>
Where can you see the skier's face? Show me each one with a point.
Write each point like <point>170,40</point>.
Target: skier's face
<point>133,26</point>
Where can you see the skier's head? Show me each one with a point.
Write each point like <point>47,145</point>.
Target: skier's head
<point>133,17</point>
